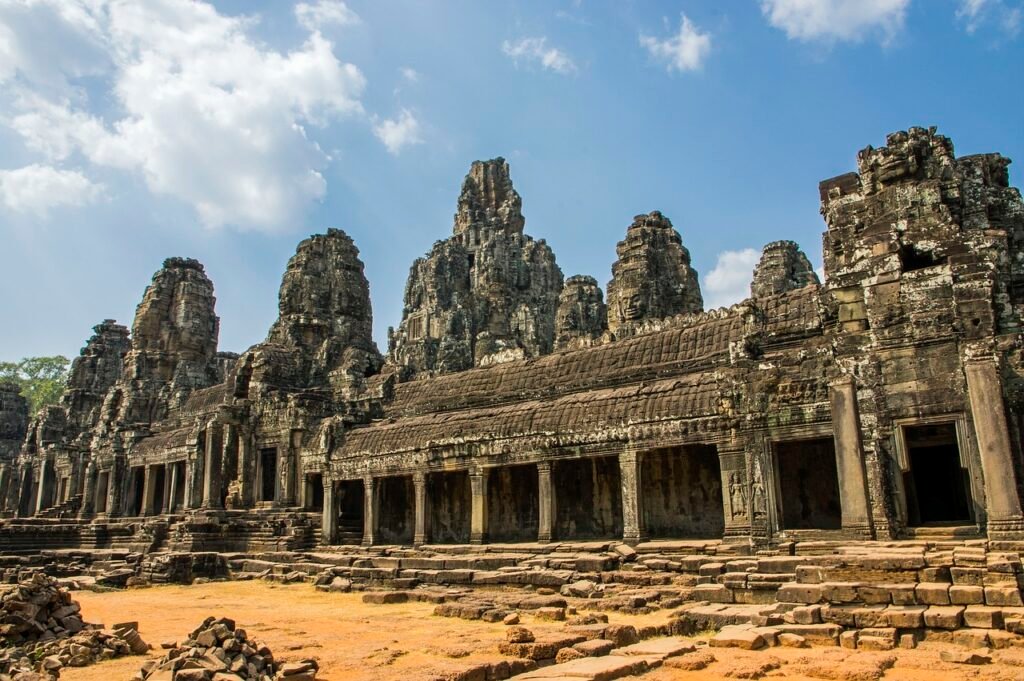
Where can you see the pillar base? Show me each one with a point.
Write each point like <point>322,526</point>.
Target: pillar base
<point>1005,529</point>
<point>633,538</point>
<point>861,530</point>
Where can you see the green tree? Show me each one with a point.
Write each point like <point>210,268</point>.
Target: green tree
<point>41,378</point>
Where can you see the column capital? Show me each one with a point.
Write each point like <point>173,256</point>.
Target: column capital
<point>419,478</point>
<point>844,380</point>
<point>544,467</point>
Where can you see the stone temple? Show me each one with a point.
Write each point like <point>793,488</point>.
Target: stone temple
<point>514,405</point>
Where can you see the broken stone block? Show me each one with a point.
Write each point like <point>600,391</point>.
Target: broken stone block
<point>972,657</point>
<point>737,637</point>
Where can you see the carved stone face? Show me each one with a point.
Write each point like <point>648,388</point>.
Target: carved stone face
<point>634,307</point>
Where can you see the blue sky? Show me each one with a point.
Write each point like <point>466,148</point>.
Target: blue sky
<point>227,132</point>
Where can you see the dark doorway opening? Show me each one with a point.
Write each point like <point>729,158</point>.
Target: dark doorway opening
<point>315,492</point>
<point>351,506</point>
<point>179,488</point>
<point>268,474</point>
<point>588,498</point>
<point>138,485</point>
<point>808,485</point>
<point>25,501</point>
<point>513,504</point>
<point>681,489</point>
<point>938,488</point>
<point>102,488</point>
<point>159,479</point>
<point>395,497</point>
<point>449,503</point>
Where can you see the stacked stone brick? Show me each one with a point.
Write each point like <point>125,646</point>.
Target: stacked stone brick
<point>217,649</point>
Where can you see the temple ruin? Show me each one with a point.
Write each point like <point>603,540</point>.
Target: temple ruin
<point>515,405</point>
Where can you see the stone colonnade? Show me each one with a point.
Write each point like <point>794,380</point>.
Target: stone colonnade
<point>630,494</point>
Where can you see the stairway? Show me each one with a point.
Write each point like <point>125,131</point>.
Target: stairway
<point>68,509</point>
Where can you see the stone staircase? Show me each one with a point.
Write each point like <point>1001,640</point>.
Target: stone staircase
<point>68,509</point>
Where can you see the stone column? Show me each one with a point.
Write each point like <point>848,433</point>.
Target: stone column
<point>1002,505</point>
<point>89,492</point>
<point>5,481</point>
<point>369,511</point>
<point>40,505</point>
<point>172,487</point>
<point>329,526</point>
<point>419,483</point>
<point>732,461</point>
<point>853,486</point>
<point>478,515</point>
<point>246,468</point>
<point>190,483</point>
<point>546,503</point>
<point>211,468</point>
<point>632,508</point>
<point>148,490</point>
<point>286,471</point>
<point>74,484</point>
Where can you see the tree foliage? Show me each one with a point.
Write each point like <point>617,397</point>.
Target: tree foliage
<point>41,378</point>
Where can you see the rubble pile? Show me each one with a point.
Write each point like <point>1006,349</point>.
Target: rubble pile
<point>38,609</point>
<point>219,650</point>
<point>43,630</point>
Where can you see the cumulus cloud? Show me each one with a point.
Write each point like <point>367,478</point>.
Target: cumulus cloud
<point>318,15</point>
<point>205,113</point>
<point>537,51</point>
<point>410,74</point>
<point>836,20</point>
<point>37,188</point>
<point>684,51</point>
<point>729,281</point>
<point>398,133</point>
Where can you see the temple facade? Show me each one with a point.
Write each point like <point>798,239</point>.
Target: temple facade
<point>515,405</point>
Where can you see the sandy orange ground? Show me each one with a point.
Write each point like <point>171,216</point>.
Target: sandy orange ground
<point>354,641</point>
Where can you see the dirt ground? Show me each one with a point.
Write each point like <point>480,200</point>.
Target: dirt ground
<point>354,641</point>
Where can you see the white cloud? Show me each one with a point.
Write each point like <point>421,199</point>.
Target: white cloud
<point>205,113</point>
<point>38,188</point>
<point>410,74</point>
<point>836,20</point>
<point>684,51</point>
<point>536,50</point>
<point>975,13</point>
<point>316,16</point>
<point>729,281</point>
<point>398,133</point>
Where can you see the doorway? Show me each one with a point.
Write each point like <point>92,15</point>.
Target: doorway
<point>268,474</point>
<point>937,485</point>
<point>808,485</point>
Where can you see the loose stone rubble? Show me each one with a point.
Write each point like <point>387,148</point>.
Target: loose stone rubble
<point>42,631</point>
<point>843,453</point>
<point>219,651</point>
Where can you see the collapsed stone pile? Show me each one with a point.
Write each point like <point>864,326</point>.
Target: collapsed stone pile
<point>37,608</point>
<point>219,650</point>
<point>46,659</point>
<point>43,627</point>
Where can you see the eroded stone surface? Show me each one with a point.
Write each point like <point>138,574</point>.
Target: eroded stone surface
<point>652,278</point>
